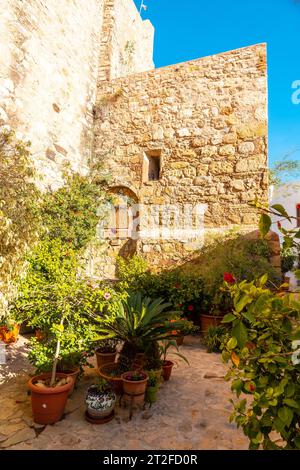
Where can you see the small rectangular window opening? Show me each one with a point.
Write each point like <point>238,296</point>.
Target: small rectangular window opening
<point>152,166</point>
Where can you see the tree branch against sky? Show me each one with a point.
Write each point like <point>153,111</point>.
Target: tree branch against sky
<point>285,169</point>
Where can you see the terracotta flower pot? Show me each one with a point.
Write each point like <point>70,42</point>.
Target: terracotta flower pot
<point>105,358</point>
<point>167,369</point>
<point>9,336</point>
<point>48,404</point>
<point>108,372</point>
<point>134,390</point>
<point>206,321</point>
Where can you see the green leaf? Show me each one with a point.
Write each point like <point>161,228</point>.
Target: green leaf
<point>241,304</point>
<point>286,415</point>
<point>232,343</point>
<point>248,317</point>
<point>240,333</point>
<point>263,280</point>
<point>292,403</point>
<point>264,224</point>
<point>281,210</point>
<point>229,318</point>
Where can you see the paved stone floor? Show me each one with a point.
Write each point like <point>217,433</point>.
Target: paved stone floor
<point>191,412</point>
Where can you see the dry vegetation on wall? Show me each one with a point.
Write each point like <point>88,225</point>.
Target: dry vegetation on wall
<point>19,218</point>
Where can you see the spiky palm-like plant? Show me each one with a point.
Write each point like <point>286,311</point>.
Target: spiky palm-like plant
<point>138,321</point>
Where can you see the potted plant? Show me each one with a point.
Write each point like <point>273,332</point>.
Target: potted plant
<point>100,402</point>
<point>49,392</point>
<point>134,386</point>
<point>152,387</point>
<point>137,321</point>
<point>152,362</point>
<point>106,351</point>
<point>218,305</point>
<point>167,365</point>
<point>9,329</point>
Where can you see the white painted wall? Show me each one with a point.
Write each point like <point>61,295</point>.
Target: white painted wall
<point>288,195</point>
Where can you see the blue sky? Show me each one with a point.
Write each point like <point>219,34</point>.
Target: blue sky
<point>189,29</point>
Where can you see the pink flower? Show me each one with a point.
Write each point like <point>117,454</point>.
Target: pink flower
<point>229,278</point>
<point>107,296</point>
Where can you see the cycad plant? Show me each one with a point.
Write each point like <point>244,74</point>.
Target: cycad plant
<point>138,321</point>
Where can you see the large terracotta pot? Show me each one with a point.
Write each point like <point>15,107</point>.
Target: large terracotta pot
<point>48,404</point>
<point>206,321</point>
<point>108,372</point>
<point>9,336</point>
<point>167,369</point>
<point>134,390</point>
<point>105,358</point>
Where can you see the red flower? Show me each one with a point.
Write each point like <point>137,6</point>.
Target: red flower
<point>252,387</point>
<point>279,225</point>
<point>190,308</point>
<point>177,285</point>
<point>229,278</point>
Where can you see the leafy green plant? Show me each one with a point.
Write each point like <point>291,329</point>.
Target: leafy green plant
<point>183,290</point>
<point>153,380</point>
<point>19,217</point>
<point>264,364</point>
<point>152,356</point>
<point>137,321</point>
<point>214,338</point>
<point>165,349</point>
<point>51,292</point>
<point>107,345</point>
<point>70,214</point>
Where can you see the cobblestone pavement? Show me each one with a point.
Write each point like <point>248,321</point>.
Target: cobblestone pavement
<point>191,412</point>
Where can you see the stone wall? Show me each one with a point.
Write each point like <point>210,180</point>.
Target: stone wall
<point>127,41</point>
<point>48,73</point>
<point>208,121</point>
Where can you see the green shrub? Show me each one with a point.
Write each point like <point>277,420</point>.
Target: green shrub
<point>214,338</point>
<point>19,217</point>
<point>69,214</point>
<point>264,365</point>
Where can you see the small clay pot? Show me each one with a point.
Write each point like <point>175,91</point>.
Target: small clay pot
<point>134,390</point>
<point>105,358</point>
<point>48,403</point>
<point>167,369</point>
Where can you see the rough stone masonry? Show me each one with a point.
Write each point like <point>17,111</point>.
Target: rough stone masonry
<point>201,128</point>
<point>77,79</point>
